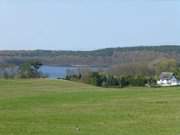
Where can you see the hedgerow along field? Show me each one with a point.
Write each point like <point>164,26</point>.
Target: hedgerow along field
<point>56,107</point>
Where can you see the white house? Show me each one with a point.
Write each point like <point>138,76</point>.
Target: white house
<point>168,79</point>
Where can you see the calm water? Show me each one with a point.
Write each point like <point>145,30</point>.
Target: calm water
<point>54,72</point>
<point>60,71</point>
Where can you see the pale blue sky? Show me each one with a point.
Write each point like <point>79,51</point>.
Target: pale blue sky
<point>88,24</point>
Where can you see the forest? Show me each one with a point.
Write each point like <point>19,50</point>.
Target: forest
<point>101,57</point>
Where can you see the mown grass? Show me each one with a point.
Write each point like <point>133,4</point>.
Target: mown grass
<point>54,107</point>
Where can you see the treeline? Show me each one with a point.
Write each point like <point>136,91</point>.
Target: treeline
<point>109,56</point>
<point>135,74</point>
<point>29,69</point>
<point>150,68</point>
<point>108,80</point>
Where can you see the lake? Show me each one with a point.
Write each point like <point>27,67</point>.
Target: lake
<point>54,72</point>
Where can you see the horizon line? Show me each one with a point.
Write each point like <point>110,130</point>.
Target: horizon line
<point>90,49</point>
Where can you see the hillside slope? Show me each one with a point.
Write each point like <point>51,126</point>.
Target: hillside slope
<point>54,107</point>
<point>108,56</point>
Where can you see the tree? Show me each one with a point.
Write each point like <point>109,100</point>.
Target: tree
<point>177,73</point>
<point>96,79</point>
<point>166,65</point>
<point>123,82</point>
<point>29,69</point>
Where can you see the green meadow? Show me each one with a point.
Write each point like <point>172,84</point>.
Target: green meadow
<point>56,107</point>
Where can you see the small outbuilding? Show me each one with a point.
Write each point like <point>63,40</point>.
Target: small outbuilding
<point>168,79</point>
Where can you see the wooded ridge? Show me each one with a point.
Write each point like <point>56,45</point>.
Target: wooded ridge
<point>101,57</point>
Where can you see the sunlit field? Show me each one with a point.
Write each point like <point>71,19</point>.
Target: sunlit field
<point>56,107</point>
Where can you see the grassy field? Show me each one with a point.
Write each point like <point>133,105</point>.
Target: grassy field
<point>49,107</point>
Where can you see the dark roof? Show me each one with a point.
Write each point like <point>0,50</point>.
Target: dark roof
<point>166,75</point>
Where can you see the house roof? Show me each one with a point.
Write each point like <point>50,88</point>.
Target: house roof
<point>166,75</point>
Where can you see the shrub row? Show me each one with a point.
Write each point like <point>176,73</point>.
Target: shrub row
<point>107,80</point>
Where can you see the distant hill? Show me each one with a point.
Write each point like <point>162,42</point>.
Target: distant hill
<point>102,57</point>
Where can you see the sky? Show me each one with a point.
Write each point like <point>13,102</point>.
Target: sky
<point>88,24</point>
